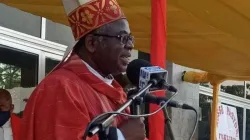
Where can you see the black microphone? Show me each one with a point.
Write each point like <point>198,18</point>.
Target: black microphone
<point>149,98</point>
<point>133,74</point>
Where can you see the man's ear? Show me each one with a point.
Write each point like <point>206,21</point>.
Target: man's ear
<point>12,108</point>
<point>90,43</point>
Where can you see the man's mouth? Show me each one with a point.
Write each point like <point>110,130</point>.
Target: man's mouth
<point>126,58</point>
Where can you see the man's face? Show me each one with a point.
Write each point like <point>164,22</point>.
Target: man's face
<point>6,105</point>
<point>114,50</point>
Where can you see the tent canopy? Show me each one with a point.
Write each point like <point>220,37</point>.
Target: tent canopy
<point>211,35</point>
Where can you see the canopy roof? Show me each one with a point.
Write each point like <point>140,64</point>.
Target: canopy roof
<point>211,35</point>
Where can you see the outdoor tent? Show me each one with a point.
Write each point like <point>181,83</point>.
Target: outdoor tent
<point>211,35</point>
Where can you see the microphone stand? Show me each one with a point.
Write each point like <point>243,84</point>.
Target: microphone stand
<point>168,123</point>
<point>135,108</point>
<point>102,127</point>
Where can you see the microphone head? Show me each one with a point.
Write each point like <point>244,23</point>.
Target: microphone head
<point>133,70</point>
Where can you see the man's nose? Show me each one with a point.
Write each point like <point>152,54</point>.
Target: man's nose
<point>129,45</point>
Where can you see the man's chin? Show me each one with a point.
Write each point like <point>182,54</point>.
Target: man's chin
<point>123,68</point>
<point>120,69</point>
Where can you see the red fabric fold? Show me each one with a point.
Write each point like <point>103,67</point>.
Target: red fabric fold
<point>65,101</point>
<point>15,126</point>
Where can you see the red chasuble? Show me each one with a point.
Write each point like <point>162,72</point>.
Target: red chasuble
<point>65,102</point>
<point>15,126</point>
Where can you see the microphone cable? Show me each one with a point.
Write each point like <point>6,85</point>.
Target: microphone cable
<point>107,114</point>
<point>196,119</point>
<point>196,123</point>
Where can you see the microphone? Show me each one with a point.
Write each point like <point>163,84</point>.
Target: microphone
<point>141,73</point>
<point>149,98</point>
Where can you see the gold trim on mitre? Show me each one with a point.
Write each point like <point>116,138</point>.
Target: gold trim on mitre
<point>91,15</point>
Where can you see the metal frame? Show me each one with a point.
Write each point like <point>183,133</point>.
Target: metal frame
<point>43,28</point>
<point>31,41</point>
<point>232,100</point>
<point>227,98</point>
<point>244,114</point>
<point>38,46</point>
<point>41,67</point>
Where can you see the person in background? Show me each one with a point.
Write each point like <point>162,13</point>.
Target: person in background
<point>82,87</point>
<point>9,122</point>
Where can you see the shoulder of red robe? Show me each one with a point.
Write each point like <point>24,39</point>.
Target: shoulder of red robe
<point>86,15</point>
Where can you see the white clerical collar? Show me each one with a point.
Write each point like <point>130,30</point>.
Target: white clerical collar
<point>109,79</point>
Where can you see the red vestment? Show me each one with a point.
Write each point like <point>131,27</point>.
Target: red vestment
<point>65,102</point>
<point>15,126</point>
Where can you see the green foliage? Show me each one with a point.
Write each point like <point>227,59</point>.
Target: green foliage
<point>237,90</point>
<point>10,76</point>
<point>204,84</point>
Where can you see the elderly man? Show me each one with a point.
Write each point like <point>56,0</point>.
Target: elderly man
<point>82,86</point>
<point>9,123</point>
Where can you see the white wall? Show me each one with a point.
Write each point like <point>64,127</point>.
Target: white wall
<point>18,94</point>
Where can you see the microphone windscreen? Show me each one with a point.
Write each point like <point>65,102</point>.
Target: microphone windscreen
<point>133,70</point>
